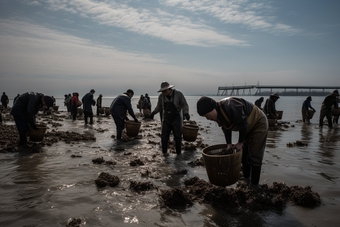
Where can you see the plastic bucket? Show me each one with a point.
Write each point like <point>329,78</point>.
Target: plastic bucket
<point>37,135</point>
<point>132,128</point>
<point>190,132</point>
<point>146,112</point>
<point>271,122</point>
<point>335,112</point>
<point>310,114</point>
<point>280,113</point>
<point>222,170</point>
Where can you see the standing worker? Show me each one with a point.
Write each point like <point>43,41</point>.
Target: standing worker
<point>4,100</point>
<point>118,108</point>
<point>99,103</point>
<point>24,110</point>
<point>326,107</point>
<point>269,106</point>
<point>88,102</point>
<point>305,108</point>
<point>140,103</point>
<point>171,102</point>
<point>149,102</point>
<point>74,108</point>
<point>237,114</point>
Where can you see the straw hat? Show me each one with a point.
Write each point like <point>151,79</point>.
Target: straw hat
<point>164,86</point>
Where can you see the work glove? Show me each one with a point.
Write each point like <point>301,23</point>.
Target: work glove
<point>136,120</point>
<point>152,115</point>
<point>126,118</point>
<point>187,116</point>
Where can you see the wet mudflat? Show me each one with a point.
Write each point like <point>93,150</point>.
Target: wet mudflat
<point>53,183</point>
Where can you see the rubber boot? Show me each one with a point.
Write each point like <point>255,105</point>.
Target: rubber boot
<point>246,170</point>
<point>164,146</point>
<point>178,147</point>
<point>255,174</point>
<point>23,138</point>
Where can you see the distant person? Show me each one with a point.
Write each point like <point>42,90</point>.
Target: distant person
<point>146,103</point>
<point>118,109</point>
<point>4,100</point>
<point>74,107</point>
<point>326,107</point>
<point>149,102</point>
<point>237,114</point>
<point>269,107</point>
<point>258,102</point>
<point>140,103</point>
<point>305,109</point>
<point>88,102</point>
<point>99,103</point>
<point>336,117</point>
<point>172,102</point>
<point>15,98</point>
<point>24,110</point>
<point>54,101</point>
<point>67,102</point>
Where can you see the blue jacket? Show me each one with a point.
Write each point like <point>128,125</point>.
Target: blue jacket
<point>27,106</point>
<point>88,102</point>
<point>306,104</point>
<point>120,105</point>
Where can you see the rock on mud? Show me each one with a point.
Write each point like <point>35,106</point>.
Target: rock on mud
<point>106,179</point>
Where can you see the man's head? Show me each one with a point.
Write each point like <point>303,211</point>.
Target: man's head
<point>275,96</point>
<point>92,91</point>
<point>335,93</point>
<point>46,101</point>
<point>166,88</point>
<point>130,92</point>
<point>206,108</point>
<point>309,98</point>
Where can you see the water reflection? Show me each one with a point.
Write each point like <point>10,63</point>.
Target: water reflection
<point>306,132</point>
<point>327,145</point>
<point>272,138</point>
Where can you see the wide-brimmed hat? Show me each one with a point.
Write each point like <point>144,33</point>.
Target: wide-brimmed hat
<point>335,92</point>
<point>275,95</point>
<point>164,86</point>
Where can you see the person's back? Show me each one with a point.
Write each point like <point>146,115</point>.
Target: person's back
<point>88,102</point>
<point>258,102</point>
<point>120,105</point>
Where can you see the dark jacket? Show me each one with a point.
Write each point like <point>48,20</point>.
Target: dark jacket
<point>88,102</point>
<point>120,105</point>
<point>237,111</point>
<point>269,107</point>
<point>4,99</point>
<point>258,102</point>
<point>329,101</point>
<point>27,106</point>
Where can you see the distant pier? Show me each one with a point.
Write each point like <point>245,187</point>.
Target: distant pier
<point>249,90</point>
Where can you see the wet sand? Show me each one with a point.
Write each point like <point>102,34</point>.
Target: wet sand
<point>55,182</point>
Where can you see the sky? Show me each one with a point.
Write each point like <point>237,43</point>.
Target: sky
<point>64,46</point>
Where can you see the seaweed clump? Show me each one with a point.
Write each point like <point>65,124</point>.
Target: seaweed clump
<point>242,198</point>
<point>106,179</point>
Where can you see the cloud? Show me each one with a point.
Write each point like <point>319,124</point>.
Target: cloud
<point>34,57</point>
<point>235,12</point>
<point>154,22</point>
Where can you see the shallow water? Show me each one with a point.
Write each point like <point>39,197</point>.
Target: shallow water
<point>48,188</point>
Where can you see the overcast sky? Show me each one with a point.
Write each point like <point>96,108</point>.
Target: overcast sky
<point>62,46</point>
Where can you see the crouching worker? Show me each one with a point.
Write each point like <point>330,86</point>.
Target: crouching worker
<point>24,110</point>
<point>237,114</point>
<point>118,109</point>
<point>171,102</point>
